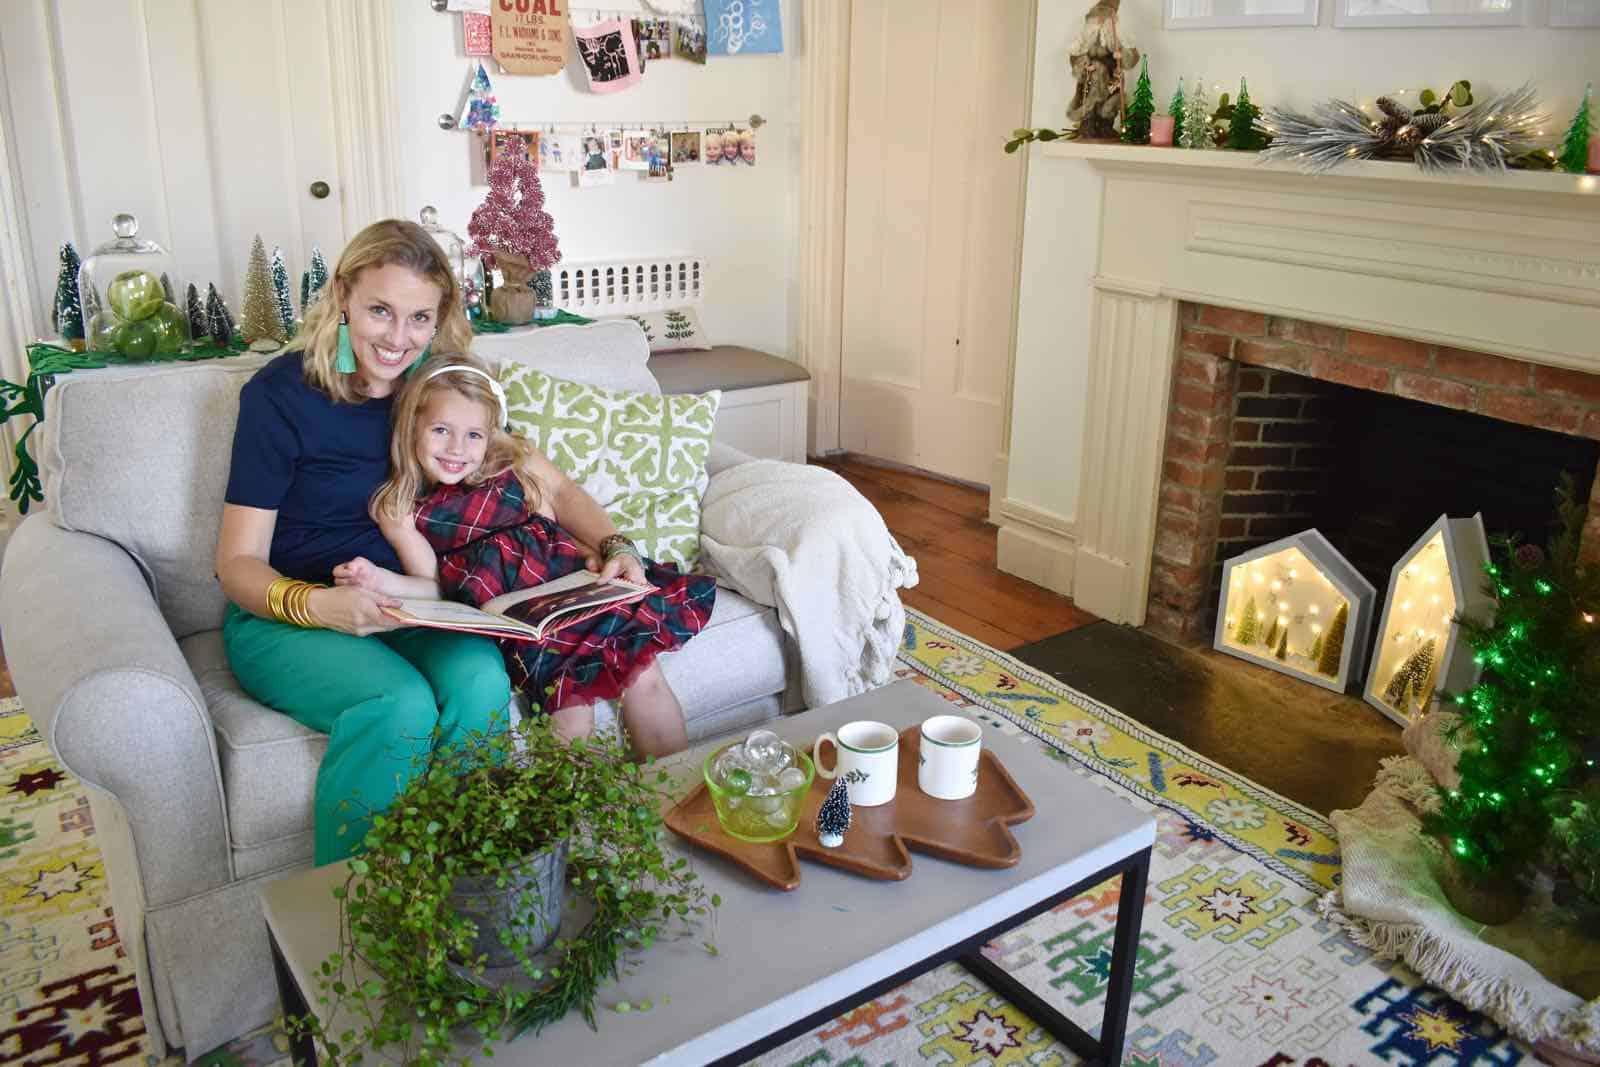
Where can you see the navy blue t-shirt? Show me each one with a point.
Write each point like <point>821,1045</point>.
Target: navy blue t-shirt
<point>316,463</point>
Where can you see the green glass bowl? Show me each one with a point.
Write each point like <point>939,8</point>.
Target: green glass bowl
<point>758,819</point>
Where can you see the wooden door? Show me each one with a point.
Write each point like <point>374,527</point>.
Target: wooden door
<point>208,121</point>
<point>933,221</point>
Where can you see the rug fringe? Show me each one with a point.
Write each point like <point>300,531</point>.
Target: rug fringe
<point>1493,995</point>
<point>1409,780</point>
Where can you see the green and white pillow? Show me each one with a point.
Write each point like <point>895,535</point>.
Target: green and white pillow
<point>642,456</point>
<point>672,330</point>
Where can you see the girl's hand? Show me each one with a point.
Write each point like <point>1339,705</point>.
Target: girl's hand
<point>624,566</point>
<point>353,610</point>
<point>363,574</point>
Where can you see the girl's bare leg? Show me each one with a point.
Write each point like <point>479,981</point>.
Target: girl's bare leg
<point>652,716</point>
<point>573,722</point>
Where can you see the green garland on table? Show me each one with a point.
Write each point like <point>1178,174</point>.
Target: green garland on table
<point>560,318</point>
<point>45,360</point>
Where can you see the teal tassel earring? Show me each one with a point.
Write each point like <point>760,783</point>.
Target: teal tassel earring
<point>346,361</point>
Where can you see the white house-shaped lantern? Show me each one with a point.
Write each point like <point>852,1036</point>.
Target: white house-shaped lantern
<point>1298,607</point>
<point>1419,648</point>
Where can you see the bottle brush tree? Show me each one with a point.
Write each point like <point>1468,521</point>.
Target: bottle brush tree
<point>1333,643</point>
<point>66,315</point>
<point>1248,630</point>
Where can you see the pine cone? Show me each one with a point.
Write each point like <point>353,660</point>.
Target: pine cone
<point>1393,110</point>
<point>1426,124</point>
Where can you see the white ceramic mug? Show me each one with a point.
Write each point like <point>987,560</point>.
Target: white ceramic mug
<point>947,762</point>
<point>866,756</point>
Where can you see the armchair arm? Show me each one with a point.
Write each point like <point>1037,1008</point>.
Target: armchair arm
<point>101,675</point>
<point>722,456</point>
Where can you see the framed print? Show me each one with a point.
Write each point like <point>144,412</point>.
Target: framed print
<point>1222,14</point>
<point>1390,14</point>
<point>1575,12</point>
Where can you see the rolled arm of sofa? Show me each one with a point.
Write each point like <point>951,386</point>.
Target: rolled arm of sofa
<point>101,675</point>
<point>722,457</point>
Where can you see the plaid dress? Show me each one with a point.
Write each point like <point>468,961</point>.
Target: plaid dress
<point>490,542</point>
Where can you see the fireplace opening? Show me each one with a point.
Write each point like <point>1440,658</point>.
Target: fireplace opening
<point>1371,471</point>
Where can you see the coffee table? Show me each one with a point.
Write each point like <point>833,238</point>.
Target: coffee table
<point>790,961</point>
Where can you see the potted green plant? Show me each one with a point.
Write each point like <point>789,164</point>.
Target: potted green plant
<point>450,883</point>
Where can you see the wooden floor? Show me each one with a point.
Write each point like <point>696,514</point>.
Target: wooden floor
<point>944,526</point>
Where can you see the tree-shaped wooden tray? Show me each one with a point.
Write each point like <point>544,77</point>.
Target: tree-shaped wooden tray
<point>971,831</point>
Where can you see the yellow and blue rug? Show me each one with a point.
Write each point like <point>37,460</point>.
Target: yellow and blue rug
<point>1235,967</point>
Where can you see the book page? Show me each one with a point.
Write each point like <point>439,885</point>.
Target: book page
<point>575,580</point>
<point>450,613</point>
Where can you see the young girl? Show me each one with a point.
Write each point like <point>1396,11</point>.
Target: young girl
<point>484,513</point>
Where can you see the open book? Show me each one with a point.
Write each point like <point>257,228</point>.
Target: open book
<point>543,610</point>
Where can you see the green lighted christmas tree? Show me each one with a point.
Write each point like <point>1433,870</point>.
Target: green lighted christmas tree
<point>1242,132</point>
<point>1249,628</point>
<point>1333,643</point>
<point>1575,145</point>
<point>1529,730</point>
<point>1136,121</point>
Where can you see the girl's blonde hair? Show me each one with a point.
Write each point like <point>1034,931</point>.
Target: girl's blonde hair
<point>397,497</point>
<point>382,243</point>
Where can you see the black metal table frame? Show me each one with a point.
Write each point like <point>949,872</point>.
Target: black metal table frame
<point>1106,1052</point>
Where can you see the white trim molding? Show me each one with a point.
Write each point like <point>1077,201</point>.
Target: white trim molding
<point>1036,544</point>
<point>824,129</point>
<point>365,123</point>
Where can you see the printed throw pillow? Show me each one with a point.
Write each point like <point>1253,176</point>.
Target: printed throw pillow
<point>642,456</point>
<point>673,330</point>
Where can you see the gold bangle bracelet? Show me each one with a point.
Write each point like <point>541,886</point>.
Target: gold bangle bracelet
<point>289,600</point>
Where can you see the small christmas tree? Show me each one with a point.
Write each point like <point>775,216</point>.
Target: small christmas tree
<point>833,818</point>
<point>1333,643</point>
<point>281,300</point>
<point>1272,633</point>
<point>219,321</point>
<point>1196,118</point>
<point>1410,680</point>
<point>1136,122</point>
<point>1575,145</point>
<point>1242,132</point>
<point>1316,649</point>
<point>195,310</point>
<point>1175,108</point>
<point>66,315</point>
<point>258,317</point>
<point>512,219</point>
<point>1249,628</point>
<point>1283,644</point>
<point>480,111</point>
<point>312,281</point>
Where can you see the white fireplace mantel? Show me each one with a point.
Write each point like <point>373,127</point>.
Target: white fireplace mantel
<point>1506,264</point>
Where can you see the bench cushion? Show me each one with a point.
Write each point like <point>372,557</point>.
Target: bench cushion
<point>725,367</point>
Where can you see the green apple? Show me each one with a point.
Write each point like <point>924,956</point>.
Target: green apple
<point>135,294</point>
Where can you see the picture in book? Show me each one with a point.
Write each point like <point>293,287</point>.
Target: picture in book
<point>528,614</point>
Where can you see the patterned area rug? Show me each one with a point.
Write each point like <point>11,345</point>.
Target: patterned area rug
<point>1235,967</point>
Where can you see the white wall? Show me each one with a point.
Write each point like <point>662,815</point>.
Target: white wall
<point>1294,67</point>
<point>743,221</point>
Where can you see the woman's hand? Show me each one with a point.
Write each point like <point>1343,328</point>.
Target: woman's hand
<point>353,610</point>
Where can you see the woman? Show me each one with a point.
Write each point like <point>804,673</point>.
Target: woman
<point>312,445</point>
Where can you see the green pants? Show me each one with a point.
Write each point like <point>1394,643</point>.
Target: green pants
<point>379,700</point>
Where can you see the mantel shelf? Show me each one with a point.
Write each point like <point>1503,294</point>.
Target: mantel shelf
<point>1121,157</point>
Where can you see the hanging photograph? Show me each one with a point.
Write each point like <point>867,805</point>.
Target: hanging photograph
<point>712,150</point>
<point>608,55</point>
<point>658,159</point>
<point>559,152</point>
<point>655,38</point>
<point>739,147</point>
<point>1389,14</point>
<point>1222,14</point>
<point>689,41</point>
<point>743,27</point>
<point>1575,12</point>
<point>635,150</point>
<point>501,142</point>
<point>685,147</point>
<point>596,167</point>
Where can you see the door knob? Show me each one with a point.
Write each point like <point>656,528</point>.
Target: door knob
<point>320,190</point>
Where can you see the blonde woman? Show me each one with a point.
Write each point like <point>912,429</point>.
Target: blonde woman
<point>479,512</point>
<point>311,447</point>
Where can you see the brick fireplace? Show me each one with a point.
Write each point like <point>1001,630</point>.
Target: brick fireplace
<point>1249,434</point>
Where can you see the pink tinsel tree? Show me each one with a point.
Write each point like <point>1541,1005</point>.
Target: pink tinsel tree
<point>512,217</point>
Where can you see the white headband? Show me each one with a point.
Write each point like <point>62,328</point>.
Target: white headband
<point>494,386</point>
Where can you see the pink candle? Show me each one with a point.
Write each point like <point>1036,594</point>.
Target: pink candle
<point>1161,132</point>
<point>1594,153</point>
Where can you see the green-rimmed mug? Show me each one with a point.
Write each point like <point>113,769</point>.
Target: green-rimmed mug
<point>947,763</point>
<point>866,756</point>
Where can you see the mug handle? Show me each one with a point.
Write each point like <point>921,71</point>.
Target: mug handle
<point>816,756</point>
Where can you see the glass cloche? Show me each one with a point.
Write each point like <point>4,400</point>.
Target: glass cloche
<point>454,247</point>
<point>129,292</point>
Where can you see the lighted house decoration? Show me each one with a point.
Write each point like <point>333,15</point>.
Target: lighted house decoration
<point>1419,649</point>
<point>1298,607</point>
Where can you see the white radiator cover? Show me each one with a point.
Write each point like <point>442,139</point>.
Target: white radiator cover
<point>596,288</point>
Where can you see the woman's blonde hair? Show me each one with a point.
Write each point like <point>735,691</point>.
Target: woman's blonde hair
<point>397,497</point>
<point>382,243</point>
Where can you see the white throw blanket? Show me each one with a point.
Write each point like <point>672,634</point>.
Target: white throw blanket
<point>802,540</point>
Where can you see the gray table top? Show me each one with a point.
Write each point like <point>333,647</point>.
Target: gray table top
<point>783,955</point>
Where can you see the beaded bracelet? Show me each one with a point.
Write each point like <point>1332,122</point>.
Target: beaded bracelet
<point>616,544</point>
